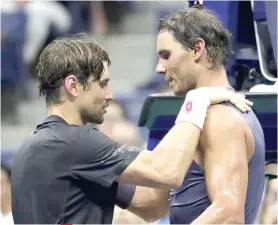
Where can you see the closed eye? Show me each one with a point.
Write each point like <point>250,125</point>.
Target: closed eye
<point>164,54</point>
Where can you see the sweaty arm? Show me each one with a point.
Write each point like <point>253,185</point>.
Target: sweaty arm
<point>151,204</point>
<point>101,160</point>
<point>223,142</point>
<point>166,166</point>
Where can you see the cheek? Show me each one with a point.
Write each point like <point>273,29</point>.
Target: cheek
<point>178,67</point>
<point>98,98</point>
<point>180,75</point>
<point>95,94</point>
<point>101,95</point>
<point>186,72</point>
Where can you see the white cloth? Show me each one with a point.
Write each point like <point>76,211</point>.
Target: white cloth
<point>7,219</point>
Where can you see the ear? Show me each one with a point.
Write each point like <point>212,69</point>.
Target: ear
<point>199,48</point>
<point>71,85</point>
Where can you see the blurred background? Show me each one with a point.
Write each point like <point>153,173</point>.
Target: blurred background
<point>127,30</point>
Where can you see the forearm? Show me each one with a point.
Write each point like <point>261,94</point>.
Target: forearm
<point>149,204</point>
<point>174,154</point>
<point>165,167</point>
<point>219,213</point>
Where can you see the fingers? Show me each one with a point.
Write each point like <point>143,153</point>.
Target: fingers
<point>248,102</point>
<point>240,102</point>
<point>240,95</point>
<point>242,108</point>
<point>246,107</point>
<point>245,100</point>
<point>217,95</point>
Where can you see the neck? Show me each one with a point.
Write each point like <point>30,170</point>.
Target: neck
<point>5,206</point>
<point>213,78</point>
<point>62,110</point>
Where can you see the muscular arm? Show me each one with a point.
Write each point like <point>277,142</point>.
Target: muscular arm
<point>151,204</point>
<point>166,166</point>
<point>226,166</point>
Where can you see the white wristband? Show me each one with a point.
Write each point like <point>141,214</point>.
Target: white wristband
<point>194,108</point>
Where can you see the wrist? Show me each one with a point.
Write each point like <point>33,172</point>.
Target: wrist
<point>194,108</point>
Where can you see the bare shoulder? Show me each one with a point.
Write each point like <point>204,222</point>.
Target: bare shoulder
<point>221,114</point>
<point>222,122</point>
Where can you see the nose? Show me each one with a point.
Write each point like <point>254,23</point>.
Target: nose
<point>160,69</point>
<point>109,95</point>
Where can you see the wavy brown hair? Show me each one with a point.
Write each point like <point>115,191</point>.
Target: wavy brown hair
<point>198,22</point>
<point>78,55</point>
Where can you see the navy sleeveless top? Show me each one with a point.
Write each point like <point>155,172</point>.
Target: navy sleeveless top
<point>191,199</point>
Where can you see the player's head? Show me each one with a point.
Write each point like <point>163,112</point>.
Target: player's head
<point>74,70</point>
<point>188,42</point>
<point>5,184</point>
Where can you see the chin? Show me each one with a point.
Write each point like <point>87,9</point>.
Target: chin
<point>179,93</point>
<point>179,90</point>
<point>97,120</point>
<point>182,91</point>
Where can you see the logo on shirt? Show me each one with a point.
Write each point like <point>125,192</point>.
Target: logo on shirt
<point>188,106</point>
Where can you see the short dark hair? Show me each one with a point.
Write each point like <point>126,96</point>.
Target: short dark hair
<point>198,22</point>
<point>6,169</point>
<point>78,55</point>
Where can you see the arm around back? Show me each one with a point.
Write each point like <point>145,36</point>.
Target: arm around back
<point>103,161</point>
<point>167,164</point>
<point>98,159</point>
